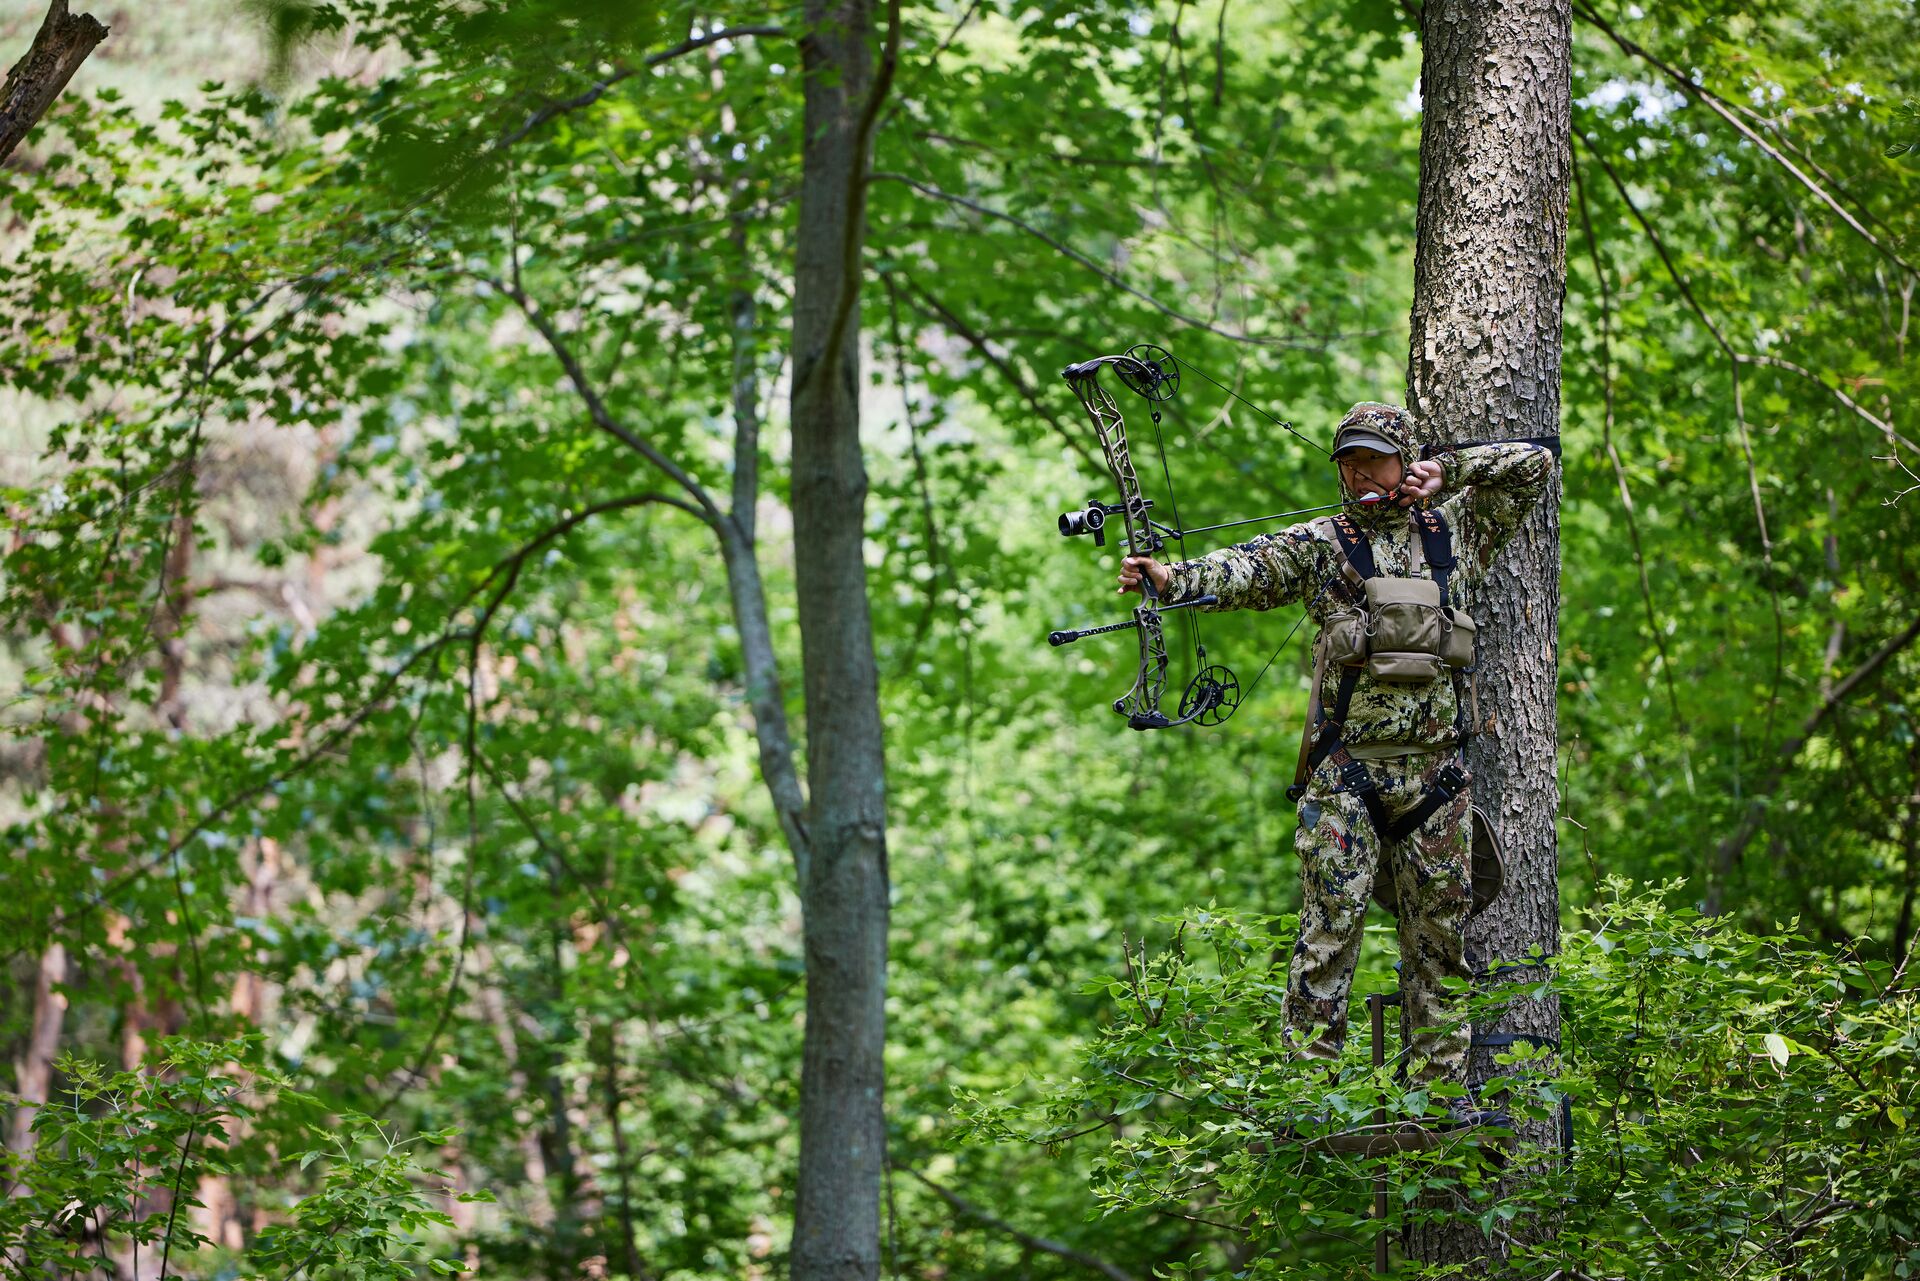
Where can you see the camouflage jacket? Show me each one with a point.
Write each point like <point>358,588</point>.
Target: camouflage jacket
<point>1489,490</point>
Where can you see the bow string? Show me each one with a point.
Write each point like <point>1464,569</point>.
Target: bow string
<point>1214,693</point>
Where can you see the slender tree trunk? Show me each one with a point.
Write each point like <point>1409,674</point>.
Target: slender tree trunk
<point>33,1072</point>
<point>843,896</point>
<point>1489,281</point>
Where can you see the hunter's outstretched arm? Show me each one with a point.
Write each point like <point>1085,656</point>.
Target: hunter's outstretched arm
<point>1262,573</point>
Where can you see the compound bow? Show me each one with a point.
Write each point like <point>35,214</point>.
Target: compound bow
<point>1214,692</point>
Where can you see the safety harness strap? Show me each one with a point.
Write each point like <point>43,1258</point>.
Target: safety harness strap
<point>1354,546</point>
<point>1437,540</point>
<point>1447,784</point>
<point>1436,544</point>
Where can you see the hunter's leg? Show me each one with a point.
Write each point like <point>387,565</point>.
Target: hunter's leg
<point>1434,881</point>
<point>1338,852</point>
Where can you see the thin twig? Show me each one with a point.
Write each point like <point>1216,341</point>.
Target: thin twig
<point>1043,1244</point>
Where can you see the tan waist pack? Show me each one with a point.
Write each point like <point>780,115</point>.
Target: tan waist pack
<point>1403,635</point>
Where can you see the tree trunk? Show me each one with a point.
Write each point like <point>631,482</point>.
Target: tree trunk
<point>843,897</point>
<point>33,1072</point>
<point>63,43</point>
<point>1489,281</point>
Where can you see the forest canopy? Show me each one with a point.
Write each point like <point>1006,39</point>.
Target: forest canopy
<point>495,587</point>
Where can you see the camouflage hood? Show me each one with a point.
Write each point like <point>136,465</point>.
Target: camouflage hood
<point>1380,427</point>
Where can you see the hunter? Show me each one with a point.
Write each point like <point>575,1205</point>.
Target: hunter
<point>1382,786</point>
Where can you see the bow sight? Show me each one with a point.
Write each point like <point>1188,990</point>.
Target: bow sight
<point>1093,520</point>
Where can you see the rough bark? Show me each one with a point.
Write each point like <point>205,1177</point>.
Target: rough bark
<point>63,43</point>
<point>836,1231</point>
<point>1489,282</point>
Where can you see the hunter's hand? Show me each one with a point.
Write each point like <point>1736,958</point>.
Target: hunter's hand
<point>1423,480</point>
<point>1134,566</point>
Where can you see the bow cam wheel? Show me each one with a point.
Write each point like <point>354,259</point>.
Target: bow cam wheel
<point>1150,371</point>
<point>1211,696</point>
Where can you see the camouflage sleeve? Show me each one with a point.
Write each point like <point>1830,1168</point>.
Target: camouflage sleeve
<point>1266,571</point>
<point>1498,485</point>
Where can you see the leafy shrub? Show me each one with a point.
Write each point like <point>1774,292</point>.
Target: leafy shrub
<point>1740,1107</point>
<point>118,1158</point>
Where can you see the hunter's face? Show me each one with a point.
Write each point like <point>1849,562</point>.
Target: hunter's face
<point>1367,471</point>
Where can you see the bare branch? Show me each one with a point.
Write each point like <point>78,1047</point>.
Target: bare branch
<point>63,43</point>
<point>600,87</point>
<point>1699,93</point>
<point>1739,419</point>
<point>508,569</point>
<point>1319,343</point>
<point>978,341</point>
<point>1730,849</point>
<point>597,408</point>
<point>1045,1246</point>
<point>1911,475</point>
<point>1613,451</point>
<point>1775,362</point>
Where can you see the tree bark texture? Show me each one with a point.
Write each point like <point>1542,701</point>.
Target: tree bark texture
<point>1489,283</point>
<point>836,1235</point>
<point>63,43</point>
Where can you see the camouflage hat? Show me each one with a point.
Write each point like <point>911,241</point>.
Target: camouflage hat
<point>1386,429</point>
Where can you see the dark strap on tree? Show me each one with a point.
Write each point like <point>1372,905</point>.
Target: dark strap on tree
<point>1500,1040</point>
<point>1437,541</point>
<point>1549,443</point>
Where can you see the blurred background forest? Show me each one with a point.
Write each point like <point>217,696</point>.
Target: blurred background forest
<point>365,693</point>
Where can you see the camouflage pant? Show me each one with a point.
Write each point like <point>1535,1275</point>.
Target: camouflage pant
<point>1340,853</point>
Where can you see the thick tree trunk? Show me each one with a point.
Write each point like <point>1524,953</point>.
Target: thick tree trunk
<point>843,897</point>
<point>1489,281</point>
<point>36,80</point>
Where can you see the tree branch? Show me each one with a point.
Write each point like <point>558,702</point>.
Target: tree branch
<point>62,44</point>
<point>1775,362</point>
<point>978,341</point>
<point>1613,451</point>
<point>1739,419</point>
<point>600,87</point>
<point>1319,343</point>
<point>1699,93</point>
<point>509,567</point>
<point>597,408</point>
<point>968,1208</point>
<point>1730,849</point>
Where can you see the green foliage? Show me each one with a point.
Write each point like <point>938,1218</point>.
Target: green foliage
<point>321,683</point>
<point>1907,130</point>
<point>117,1160</point>
<point>1736,1102</point>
